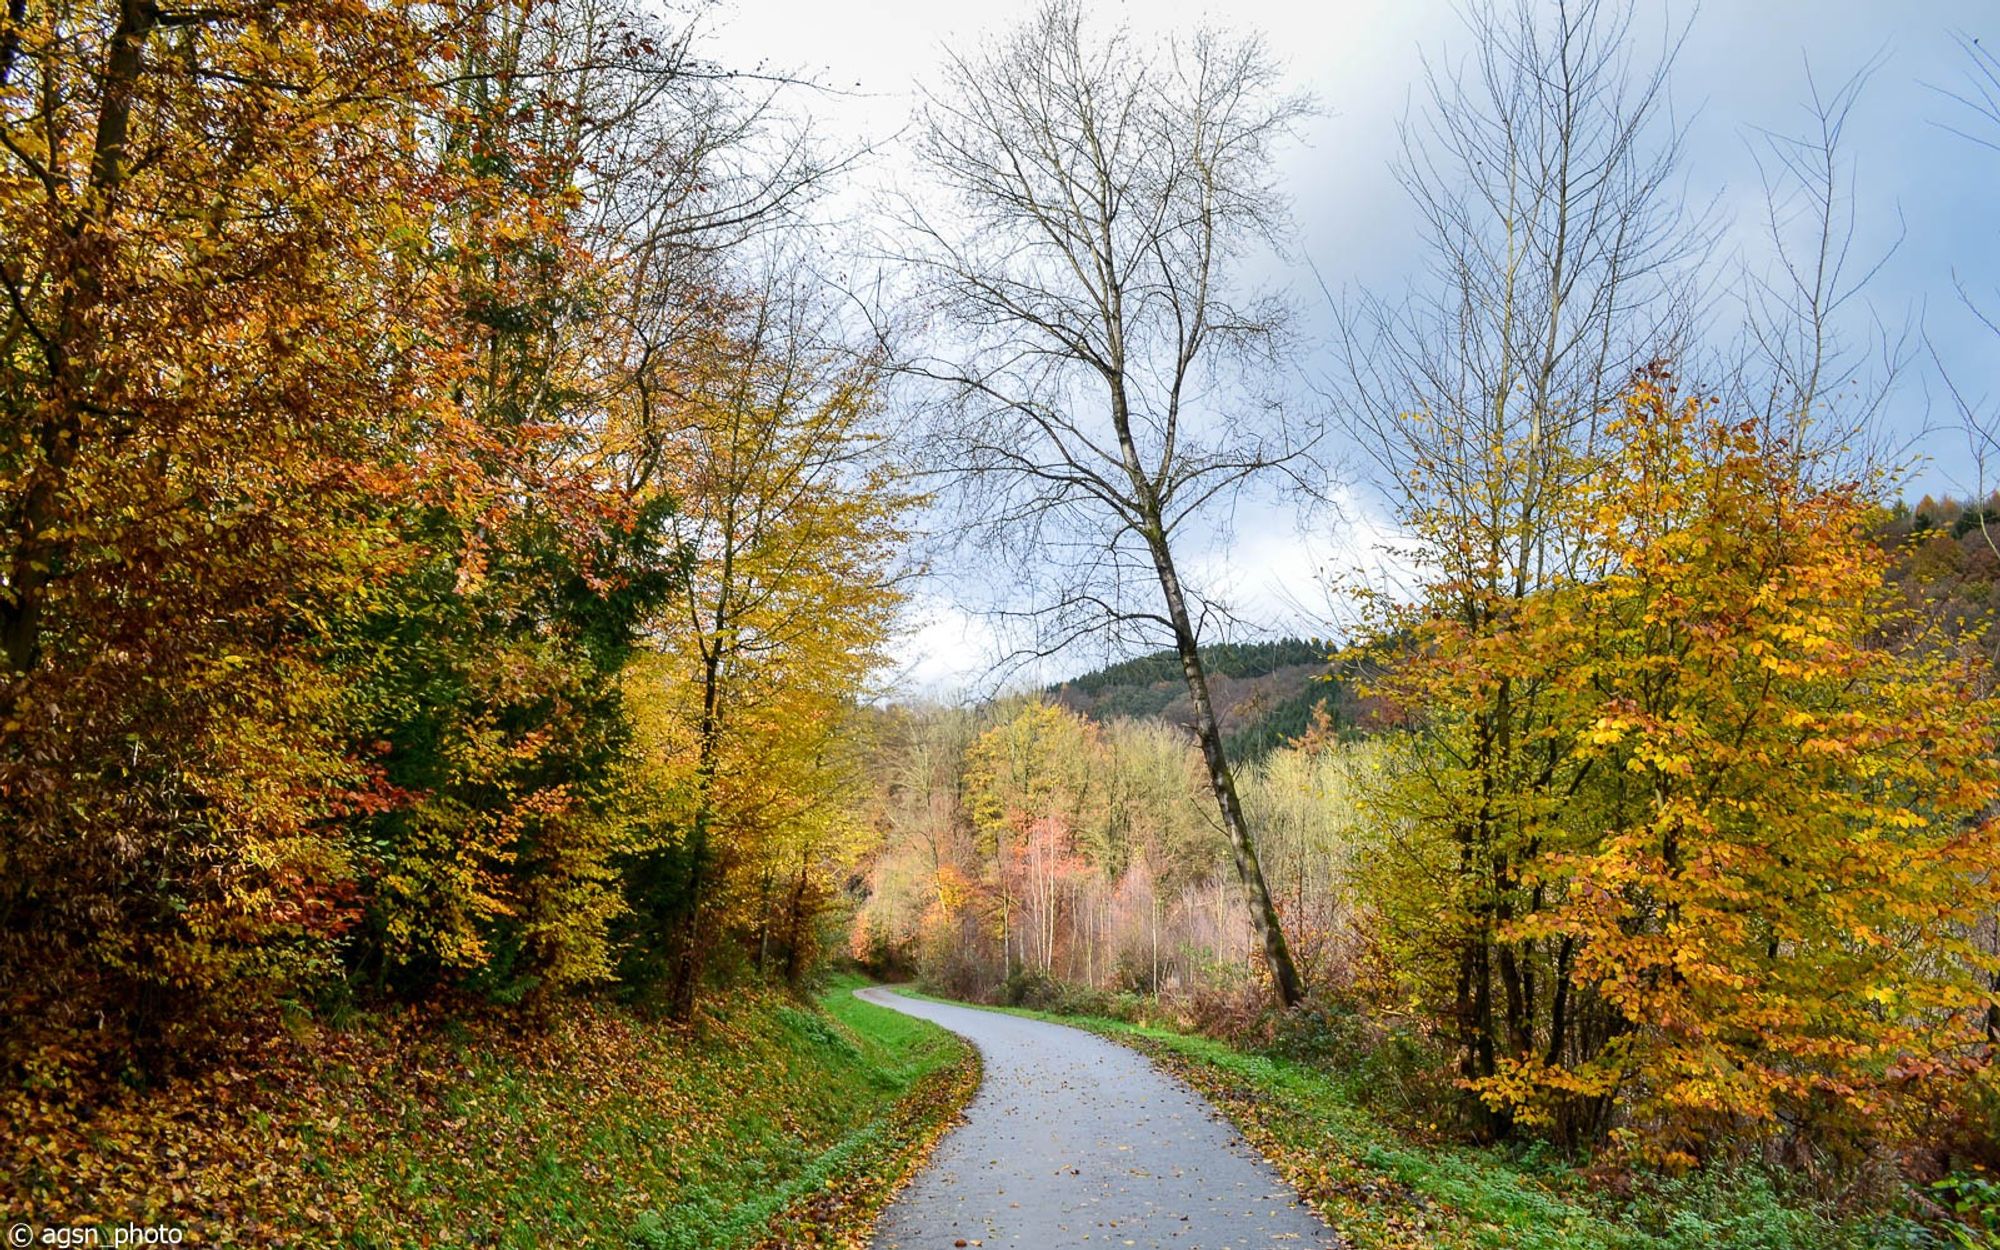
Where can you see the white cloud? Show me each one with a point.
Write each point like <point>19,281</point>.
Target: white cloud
<point>941,651</point>
<point>1279,577</point>
<point>1273,575</point>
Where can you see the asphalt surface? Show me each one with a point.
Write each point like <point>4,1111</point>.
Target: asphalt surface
<point>1076,1141</point>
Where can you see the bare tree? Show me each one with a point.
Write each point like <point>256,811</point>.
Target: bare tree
<point>1813,387</point>
<point>1542,172</point>
<point>1098,376</point>
<point>662,165</point>
<point>1976,119</point>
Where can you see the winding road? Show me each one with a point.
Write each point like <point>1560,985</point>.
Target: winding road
<point>1076,1141</point>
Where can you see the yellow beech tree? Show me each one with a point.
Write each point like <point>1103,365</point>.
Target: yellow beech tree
<point>790,522</point>
<point>1736,897</point>
<point>214,323</point>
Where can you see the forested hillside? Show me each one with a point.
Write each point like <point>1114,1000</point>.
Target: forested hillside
<point>1265,692</point>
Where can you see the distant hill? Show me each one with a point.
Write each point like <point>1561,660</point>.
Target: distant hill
<point>1264,692</point>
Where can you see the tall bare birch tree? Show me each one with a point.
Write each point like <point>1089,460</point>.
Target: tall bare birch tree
<point>1099,376</point>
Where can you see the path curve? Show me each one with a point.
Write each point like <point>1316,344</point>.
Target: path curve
<point>1076,1141</point>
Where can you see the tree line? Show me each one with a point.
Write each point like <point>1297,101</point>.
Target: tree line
<point>1024,847</point>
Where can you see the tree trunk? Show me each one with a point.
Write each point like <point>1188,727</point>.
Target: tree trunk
<point>1263,912</point>
<point>763,921</point>
<point>688,966</point>
<point>1559,1012</point>
<point>39,518</point>
<point>795,929</point>
<point>688,953</point>
<point>1156,936</point>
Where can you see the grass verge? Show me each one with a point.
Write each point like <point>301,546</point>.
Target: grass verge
<point>837,1204</point>
<point>769,1122</point>
<point>1383,1188</point>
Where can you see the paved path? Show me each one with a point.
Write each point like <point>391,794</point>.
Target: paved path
<point>1076,1141</point>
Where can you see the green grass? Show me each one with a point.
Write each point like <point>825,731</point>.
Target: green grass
<point>1385,1188</point>
<point>755,1184</point>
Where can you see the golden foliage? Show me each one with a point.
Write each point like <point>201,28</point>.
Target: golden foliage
<point>1689,849</point>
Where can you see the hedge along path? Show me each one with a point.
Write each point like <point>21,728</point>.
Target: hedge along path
<point>1073,1140</point>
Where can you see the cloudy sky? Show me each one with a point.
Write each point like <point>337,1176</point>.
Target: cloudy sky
<point>1743,70</point>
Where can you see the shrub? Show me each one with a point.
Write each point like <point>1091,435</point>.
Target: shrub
<point>1326,1033</point>
<point>1975,1200</point>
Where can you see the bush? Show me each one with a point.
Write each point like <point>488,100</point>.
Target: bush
<point>1325,1033</point>
<point>1230,1010</point>
<point>1388,1069</point>
<point>1975,1200</point>
<point>1034,990</point>
<point>954,962</point>
<point>1038,991</point>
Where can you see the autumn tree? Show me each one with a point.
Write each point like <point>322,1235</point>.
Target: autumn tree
<point>1308,798</point>
<point>791,524</point>
<point>922,906</point>
<point>217,323</point>
<point>1032,783</point>
<point>1541,174</point>
<point>1097,390</point>
<point>1741,879</point>
<point>339,349</point>
<point>597,170</point>
<point>1049,872</point>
